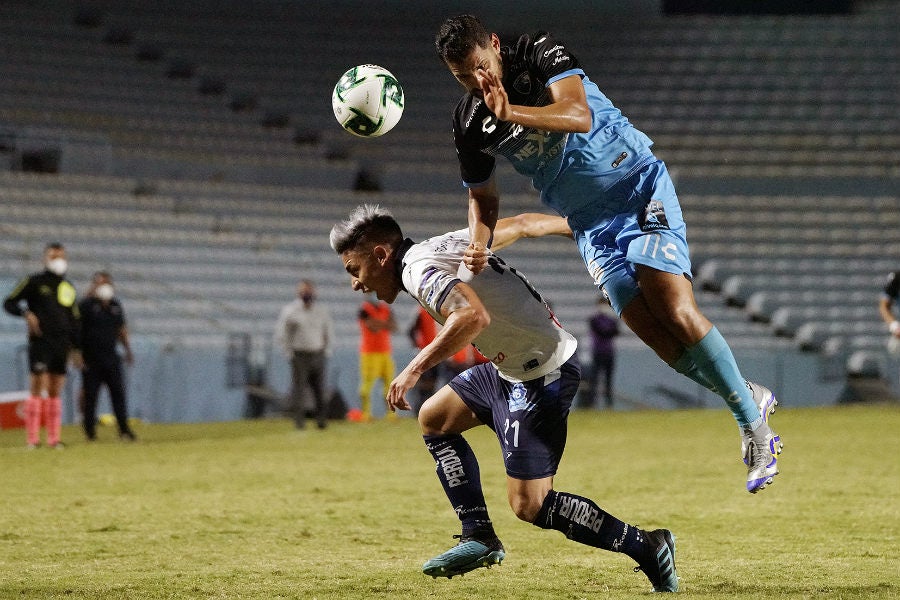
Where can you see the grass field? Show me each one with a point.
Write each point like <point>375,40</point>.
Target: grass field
<point>259,510</point>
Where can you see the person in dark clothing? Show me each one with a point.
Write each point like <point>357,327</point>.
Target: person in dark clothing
<point>102,329</point>
<point>604,327</point>
<point>51,312</point>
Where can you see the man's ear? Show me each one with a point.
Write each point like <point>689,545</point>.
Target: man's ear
<point>382,254</point>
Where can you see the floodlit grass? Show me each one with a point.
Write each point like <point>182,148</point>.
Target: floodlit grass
<point>258,510</point>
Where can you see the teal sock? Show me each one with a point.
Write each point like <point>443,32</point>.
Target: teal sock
<point>715,362</point>
<point>687,367</point>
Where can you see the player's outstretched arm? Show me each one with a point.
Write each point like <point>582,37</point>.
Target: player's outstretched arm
<point>528,225</point>
<point>465,317</point>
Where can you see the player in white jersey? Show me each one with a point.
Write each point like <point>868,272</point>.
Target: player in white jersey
<point>532,103</point>
<point>523,394</point>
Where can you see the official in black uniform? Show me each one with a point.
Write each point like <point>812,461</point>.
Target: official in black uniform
<point>102,329</point>
<point>51,313</point>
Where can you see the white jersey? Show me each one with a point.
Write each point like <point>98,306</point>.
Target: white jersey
<point>524,340</point>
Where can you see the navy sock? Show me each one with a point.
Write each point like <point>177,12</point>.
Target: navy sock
<point>457,470</point>
<point>581,520</point>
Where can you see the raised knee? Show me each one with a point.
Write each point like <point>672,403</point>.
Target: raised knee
<point>430,422</point>
<point>525,508</point>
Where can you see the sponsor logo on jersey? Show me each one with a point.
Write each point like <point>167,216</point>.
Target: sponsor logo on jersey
<point>556,49</point>
<point>475,106</point>
<point>654,217</point>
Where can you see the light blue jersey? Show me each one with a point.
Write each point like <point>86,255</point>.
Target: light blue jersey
<point>607,182</point>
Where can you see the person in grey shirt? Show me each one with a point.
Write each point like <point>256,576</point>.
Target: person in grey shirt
<point>304,332</point>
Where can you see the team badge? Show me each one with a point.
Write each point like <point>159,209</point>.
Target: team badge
<point>654,217</point>
<point>518,398</point>
<point>522,84</point>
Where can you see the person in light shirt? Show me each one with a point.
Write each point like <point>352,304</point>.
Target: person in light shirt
<point>305,333</point>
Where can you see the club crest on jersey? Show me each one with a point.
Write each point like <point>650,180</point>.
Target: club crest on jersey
<point>653,217</point>
<point>518,398</point>
<point>522,84</point>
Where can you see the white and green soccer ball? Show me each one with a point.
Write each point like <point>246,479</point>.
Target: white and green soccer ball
<point>367,101</point>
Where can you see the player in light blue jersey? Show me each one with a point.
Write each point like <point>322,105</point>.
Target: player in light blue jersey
<point>524,394</point>
<point>533,104</point>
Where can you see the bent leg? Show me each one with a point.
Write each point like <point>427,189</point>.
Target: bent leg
<point>442,418</point>
<point>581,520</point>
<point>670,298</point>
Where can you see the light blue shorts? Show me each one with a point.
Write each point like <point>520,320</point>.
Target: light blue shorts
<point>638,221</point>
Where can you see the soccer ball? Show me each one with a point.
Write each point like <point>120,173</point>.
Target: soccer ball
<point>367,101</point>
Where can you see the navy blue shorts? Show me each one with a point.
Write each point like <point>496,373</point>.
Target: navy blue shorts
<point>529,418</point>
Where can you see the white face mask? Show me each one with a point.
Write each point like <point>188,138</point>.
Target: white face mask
<point>58,266</point>
<point>104,292</point>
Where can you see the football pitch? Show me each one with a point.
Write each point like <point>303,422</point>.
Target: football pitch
<point>256,509</point>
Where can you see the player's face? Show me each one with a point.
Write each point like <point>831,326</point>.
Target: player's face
<point>371,271</point>
<point>480,59</point>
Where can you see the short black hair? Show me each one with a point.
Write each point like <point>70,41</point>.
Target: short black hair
<point>459,36</point>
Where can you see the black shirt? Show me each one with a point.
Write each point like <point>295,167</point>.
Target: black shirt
<point>480,136</point>
<point>100,328</point>
<point>52,300</point>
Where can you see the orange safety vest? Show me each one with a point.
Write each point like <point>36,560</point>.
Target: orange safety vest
<point>425,329</point>
<point>374,341</point>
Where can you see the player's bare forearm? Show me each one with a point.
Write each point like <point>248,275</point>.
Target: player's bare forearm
<point>466,317</point>
<point>462,326</point>
<point>528,225</point>
<point>567,116</point>
<point>484,206</point>
<point>568,111</point>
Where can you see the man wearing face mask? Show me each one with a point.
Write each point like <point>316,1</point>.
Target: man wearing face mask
<point>304,332</point>
<point>102,329</point>
<point>52,316</point>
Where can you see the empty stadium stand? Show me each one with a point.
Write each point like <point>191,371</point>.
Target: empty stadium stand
<point>190,149</point>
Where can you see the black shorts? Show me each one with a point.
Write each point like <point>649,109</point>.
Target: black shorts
<point>529,418</point>
<point>47,355</point>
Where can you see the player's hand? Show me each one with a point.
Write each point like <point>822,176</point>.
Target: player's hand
<point>475,258</point>
<point>396,396</point>
<point>494,93</point>
<point>34,324</point>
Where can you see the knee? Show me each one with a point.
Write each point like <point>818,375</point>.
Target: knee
<point>431,421</point>
<point>526,506</point>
